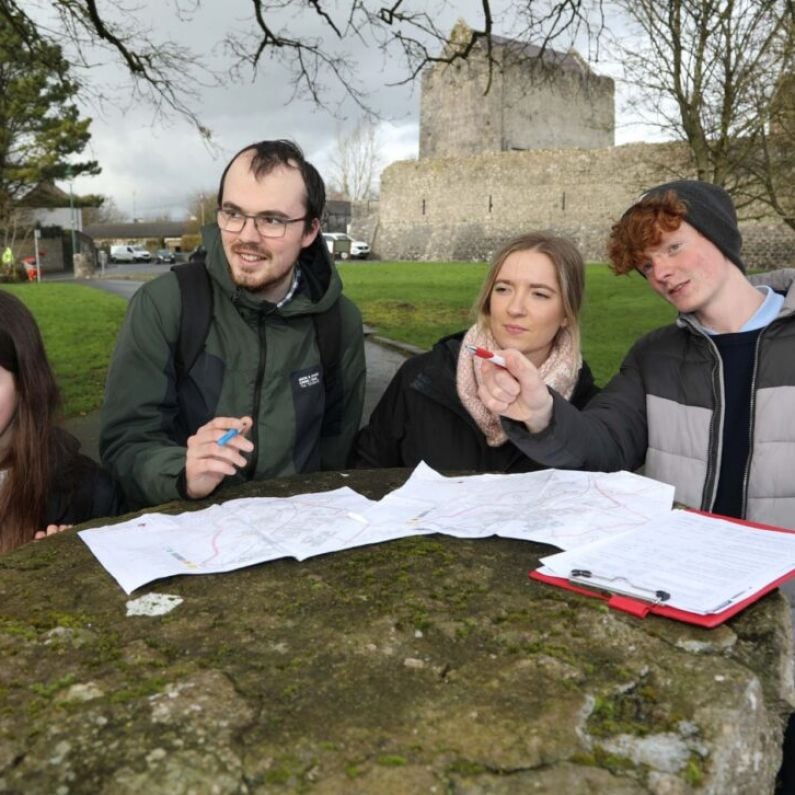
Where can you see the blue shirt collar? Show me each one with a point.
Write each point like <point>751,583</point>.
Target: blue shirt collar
<point>766,313</point>
<point>764,316</point>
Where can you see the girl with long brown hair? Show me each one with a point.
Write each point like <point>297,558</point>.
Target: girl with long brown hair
<point>46,485</point>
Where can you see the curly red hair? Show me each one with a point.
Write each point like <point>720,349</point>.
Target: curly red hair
<point>642,227</point>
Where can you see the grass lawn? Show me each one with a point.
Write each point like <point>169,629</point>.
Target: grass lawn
<point>419,302</point>
<point>617,311</point>
<point>412,302</point>
<point>415,302</point>
<point>79,325</point>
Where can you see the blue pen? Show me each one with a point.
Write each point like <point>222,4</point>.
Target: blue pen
<point>230,434</point>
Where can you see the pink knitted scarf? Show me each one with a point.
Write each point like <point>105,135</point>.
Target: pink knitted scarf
<point>559,371</point>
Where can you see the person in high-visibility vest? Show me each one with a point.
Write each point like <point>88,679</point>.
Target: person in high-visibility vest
<point>8,258</point>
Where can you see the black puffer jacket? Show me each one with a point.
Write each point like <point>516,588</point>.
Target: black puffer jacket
<point>421,418</point>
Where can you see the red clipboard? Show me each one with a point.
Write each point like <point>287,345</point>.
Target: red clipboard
<point>640,608</point>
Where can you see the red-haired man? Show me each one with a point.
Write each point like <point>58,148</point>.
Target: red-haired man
<point>706,404</point>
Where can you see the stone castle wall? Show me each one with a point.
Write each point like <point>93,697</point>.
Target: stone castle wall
<point>464,208</point>
<point>521,105</point>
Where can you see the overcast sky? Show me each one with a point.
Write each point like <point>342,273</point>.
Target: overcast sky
<point>153,166</point>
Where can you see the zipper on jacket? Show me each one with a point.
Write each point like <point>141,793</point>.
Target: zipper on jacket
<point>751,424</point>
<point>710,490</point>
<point>251,469</point>
<point>712,470</point>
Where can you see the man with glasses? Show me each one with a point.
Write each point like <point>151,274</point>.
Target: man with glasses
<point>258,401</point>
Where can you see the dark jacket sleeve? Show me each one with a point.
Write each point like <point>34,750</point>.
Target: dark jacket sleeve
<point>141,403</point>
<point>608,435</point>
<point>585,389</point>
<point>82,490</point>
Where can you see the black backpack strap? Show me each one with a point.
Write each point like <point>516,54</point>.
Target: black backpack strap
<point>328,330</point>
<point>197,311</point>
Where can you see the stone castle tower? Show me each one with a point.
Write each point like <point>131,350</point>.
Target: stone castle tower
<point>522,103</point>
<point>534,152</point>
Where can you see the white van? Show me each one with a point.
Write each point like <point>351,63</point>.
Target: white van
<point>344,246</point>
<point>129,254</point>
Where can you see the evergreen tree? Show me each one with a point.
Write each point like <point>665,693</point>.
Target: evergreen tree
<point>40,125</point>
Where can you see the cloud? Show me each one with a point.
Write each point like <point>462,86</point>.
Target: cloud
<point>153,166</point>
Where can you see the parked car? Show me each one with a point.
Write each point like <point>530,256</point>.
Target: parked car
<point>165,255</point>
<point>141,254</point>
<point>343,246</point>
<point>122,254</point>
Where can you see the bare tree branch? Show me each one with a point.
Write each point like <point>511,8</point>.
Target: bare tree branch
<point>312,43</point>
<point>708,72</point>
<point>166,75</point>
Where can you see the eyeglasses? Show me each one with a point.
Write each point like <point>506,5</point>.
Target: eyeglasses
<point>266,225</point>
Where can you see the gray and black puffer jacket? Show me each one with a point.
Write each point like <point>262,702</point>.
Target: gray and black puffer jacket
<point>664,412</point>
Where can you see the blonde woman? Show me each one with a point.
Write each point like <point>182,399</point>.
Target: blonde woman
<point>530,301</point>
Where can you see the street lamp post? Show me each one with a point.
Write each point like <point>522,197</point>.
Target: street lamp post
<point>36,237</point>
<point>69,176</point>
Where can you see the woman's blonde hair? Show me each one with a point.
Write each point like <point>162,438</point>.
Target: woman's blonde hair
<point>569,268</point>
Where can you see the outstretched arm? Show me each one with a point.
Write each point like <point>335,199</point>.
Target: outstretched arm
<point>610,434</point>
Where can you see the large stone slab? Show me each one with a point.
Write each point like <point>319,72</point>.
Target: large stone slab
<point>429,664</point>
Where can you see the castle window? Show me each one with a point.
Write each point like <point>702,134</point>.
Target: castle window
<point>423,206</point>
<point>491,204</point>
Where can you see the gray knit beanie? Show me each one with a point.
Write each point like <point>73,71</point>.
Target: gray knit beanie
<point>711,211</point>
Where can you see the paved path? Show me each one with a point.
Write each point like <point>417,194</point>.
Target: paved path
<point>383,357</point>
<point>123,287</point>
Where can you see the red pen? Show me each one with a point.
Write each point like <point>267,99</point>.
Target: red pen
<point>484,353</point>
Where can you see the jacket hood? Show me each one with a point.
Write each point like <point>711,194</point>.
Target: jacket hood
<point>320,283</point>
<point>782,281</point>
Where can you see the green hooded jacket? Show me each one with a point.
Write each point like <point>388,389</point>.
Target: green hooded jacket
<point>259,361</point>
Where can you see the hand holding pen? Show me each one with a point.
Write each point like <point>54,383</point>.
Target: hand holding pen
<point>484,353</point>
<point>215,451</point>
<point>511,386</point>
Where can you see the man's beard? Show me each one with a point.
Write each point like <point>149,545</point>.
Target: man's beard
<point>255,278</point>
<point>262,275</point>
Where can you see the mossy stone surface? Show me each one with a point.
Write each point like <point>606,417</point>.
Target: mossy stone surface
<point>429,664</point>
